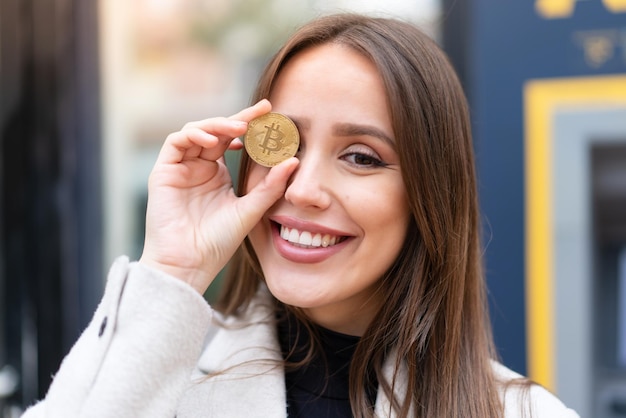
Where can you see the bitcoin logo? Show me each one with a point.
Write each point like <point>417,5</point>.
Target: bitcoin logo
<point>271,139</point>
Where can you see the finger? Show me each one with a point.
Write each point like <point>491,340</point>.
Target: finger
<point>243,117</point>
<point>262,196</point>
<point>219,126</point>
<point>180,144</point>
<point>260,108</point>
<point>216,136</point>
<point>235,144</point>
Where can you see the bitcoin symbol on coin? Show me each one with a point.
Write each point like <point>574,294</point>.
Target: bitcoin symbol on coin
<point>273,136</point>
<point>271,139</point>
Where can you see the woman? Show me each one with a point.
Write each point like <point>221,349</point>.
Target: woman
<point>358,289</point>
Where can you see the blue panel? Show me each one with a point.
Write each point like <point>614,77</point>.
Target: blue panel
<point>510,43</point>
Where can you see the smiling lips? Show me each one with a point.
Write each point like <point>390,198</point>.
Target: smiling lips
<point>308,239</point>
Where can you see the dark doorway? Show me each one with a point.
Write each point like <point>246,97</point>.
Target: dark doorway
<point>50,216</point>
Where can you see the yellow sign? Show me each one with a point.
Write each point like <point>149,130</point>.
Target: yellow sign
<point>559,9</point>
<point>542,99</point>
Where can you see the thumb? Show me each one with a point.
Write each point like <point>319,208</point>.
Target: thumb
<point>257,201</point>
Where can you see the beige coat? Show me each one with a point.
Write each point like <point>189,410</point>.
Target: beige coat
<point>152,342</point>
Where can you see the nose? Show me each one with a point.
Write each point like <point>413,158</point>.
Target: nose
<point>309,185</point>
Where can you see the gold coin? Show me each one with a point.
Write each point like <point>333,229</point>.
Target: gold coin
<point>271,139</point>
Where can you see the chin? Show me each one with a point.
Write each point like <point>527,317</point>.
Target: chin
<point>296,295</point>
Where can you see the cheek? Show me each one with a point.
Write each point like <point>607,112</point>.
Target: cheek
<point>384,202</point>
<point>394,217</point>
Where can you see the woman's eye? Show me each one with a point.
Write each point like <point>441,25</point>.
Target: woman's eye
<point>360,159</point>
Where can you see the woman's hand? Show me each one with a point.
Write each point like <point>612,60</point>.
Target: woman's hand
<point>194,220</point>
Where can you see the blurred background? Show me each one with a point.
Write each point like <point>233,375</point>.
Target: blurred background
<point>89,90</point>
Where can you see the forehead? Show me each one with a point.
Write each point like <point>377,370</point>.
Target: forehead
<point>335,77</point>
<point>332,60</point>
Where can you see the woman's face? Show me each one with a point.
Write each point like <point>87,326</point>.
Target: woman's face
<point>343,218</point>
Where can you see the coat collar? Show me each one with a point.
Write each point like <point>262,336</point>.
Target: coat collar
<point>246,386</point>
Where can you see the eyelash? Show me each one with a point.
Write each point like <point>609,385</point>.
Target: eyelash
<point>374,162</point>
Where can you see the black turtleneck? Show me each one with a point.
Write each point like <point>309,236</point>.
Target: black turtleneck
<point>319,388</point>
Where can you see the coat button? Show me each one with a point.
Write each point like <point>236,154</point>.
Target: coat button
<point>103,326</point>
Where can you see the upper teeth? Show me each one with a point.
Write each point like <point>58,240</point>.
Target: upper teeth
<point>307,238</point>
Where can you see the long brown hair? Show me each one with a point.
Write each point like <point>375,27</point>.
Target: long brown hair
<point>434,319</point>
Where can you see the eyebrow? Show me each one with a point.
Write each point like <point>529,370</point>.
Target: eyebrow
<point>353,129</point>
<point>349,129</point>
